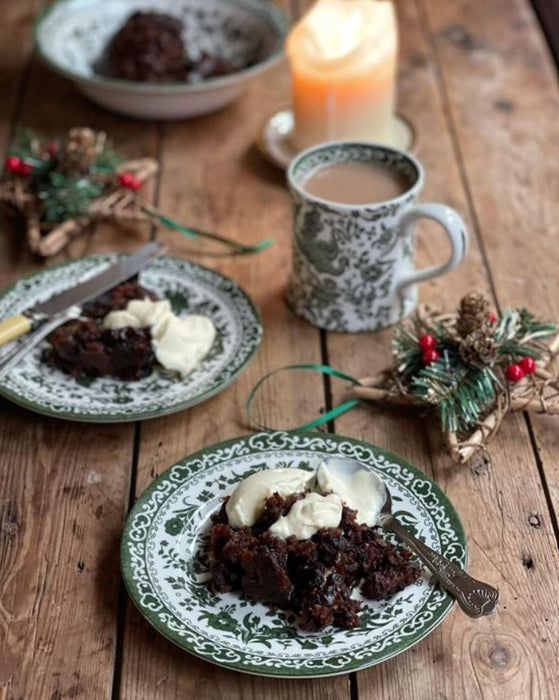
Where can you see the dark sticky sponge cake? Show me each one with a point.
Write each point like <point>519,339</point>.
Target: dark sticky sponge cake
<point>314,578</point>
<point>149,47</point>
<point>85,348</point>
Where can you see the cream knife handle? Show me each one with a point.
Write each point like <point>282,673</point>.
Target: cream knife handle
<point>13,327</point>
<point>35,338</point>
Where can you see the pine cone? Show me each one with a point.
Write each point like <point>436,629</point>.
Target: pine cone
<point>80,150</point>
<point>479,349</point>
<point>473,315</point>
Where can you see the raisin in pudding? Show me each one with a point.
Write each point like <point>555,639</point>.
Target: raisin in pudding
<point>303,542</point>
<point>149,47</point>
<point>85,348</point>
<point>126,333</point>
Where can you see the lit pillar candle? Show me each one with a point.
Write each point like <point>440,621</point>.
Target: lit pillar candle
<point>342,56</point>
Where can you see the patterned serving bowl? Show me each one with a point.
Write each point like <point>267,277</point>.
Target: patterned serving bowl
<point>71,35</point>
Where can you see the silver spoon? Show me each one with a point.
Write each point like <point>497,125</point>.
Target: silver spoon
<point>474,597</point>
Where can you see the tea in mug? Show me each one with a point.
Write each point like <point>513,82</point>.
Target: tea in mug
<point>356,182</point>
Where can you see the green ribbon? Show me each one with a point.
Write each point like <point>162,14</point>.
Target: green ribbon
<point>329,415</point>
<point>236,248</point>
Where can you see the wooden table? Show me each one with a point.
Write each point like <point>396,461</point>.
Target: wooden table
<point>478,83</point>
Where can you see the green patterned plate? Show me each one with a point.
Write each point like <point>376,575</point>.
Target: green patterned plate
<point>191,289</point>
<point>165,566</point>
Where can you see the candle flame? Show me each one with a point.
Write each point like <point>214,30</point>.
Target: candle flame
<point>338,30</point>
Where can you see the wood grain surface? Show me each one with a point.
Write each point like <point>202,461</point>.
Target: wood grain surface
<point>477,82</point>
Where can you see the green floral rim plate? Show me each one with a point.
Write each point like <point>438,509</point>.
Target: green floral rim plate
<point>191,288</point>
<point>165,566</point>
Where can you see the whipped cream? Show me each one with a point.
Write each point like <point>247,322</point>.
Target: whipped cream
<point>308,515</point>
<point>360,489</point>
<point>249,498</point>
<point>339,482</point>
<point>179,343</point>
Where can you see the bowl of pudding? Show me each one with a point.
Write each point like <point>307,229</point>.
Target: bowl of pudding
<point>169,59</point>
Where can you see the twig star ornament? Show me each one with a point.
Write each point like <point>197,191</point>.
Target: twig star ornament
<point>62,187</point>
<point>473,367</point>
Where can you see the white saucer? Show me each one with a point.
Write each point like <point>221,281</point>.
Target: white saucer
<point>276,146</point>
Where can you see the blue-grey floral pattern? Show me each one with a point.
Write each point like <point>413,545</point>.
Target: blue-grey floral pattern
<point>191,288</point>
<point>347,260</point>
<point>165,566</point>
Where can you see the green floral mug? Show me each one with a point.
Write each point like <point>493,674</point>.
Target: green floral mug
<point>352,266</point>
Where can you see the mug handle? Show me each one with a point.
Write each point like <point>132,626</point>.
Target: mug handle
<point>455,229</point>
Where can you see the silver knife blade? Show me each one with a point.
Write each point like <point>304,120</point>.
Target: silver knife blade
<point>112,275</point>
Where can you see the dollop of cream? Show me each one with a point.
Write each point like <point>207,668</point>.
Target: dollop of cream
<point>247,501</point>
<point>337,482</point>
<point>179,343</point>
<point>360,489</point>
<point>308,515</point>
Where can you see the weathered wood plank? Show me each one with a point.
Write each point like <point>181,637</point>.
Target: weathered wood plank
<point>477,82</point>
<point>509,112</point>
<point>507,133</point>
<point>62,503</point>
<point>421,672</point>
<point>214,179</point>
<point>490,657</point>
<point>64,487</point>
<point>548,15</point>
<point>15,50</point>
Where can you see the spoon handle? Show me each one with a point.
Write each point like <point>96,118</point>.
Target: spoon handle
<point>474,597</point>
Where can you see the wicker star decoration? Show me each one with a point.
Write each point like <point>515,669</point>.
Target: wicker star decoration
<point>473,367</point>
<point>62,187</point>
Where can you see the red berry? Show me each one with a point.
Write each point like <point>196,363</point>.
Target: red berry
<point>528,365</point>
<point>53,148</point>
<point>430,355</point>
<point>129,181</point>
<point>492,317</point>
<point>514,373</point>
<point>13,164</point>
<point>24,169</point>
<point>427,341</point>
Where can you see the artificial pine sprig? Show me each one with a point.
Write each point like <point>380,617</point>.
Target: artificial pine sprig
<point>406,348</point>
<point>469,362</point>
<point>62,186</point>
<point>472,367</point>
<point>65,197</point>
<point>461,392</point>
<point>106,162</point>
<point>519,334</point>
<point>28,144</point>
<point>533,329</point>
<point>65,175</point>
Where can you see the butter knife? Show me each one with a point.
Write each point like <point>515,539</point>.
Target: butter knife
<point>124,268</point>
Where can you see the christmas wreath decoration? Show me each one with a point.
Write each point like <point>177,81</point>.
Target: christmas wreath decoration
<point>473,367</point>
<point>62,187</point>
